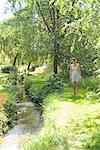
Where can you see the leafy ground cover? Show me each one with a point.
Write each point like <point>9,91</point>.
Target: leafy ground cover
<point>7,105</point>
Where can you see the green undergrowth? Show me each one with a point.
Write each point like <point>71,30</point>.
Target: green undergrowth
<point>8,112</point>
<point>38,87</point>
<point>35,81</point>
<point>69,123</point>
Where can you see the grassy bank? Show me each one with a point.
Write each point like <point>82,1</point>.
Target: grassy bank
<point>69,123</point>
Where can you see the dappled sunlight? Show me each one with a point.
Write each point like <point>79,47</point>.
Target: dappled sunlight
<point>24,138</point>
<point>75,119</point>
<point>70,110</point>
<point>62,117</point>
<point>68,94</point>
<point>72,117</point>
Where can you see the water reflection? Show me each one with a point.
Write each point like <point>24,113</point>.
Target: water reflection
<point>27,124</point>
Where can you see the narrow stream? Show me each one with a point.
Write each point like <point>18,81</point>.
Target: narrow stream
<point>28,123</point>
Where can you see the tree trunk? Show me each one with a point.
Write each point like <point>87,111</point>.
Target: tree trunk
<point>56,54</point>
<point>15,59</point>
<point>56,44</point>
<point>29,65</point>
<point>55,28</point>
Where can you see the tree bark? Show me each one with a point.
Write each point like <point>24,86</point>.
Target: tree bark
<point>56,44</point>
<point>44,20</point>
<point>15,59</point>
<point>54,29</point>
<point>56,54</point>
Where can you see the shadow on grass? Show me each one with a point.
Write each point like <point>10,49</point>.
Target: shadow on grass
<point>69,96</point>
<point>73,99</point>
<point>93,143</point>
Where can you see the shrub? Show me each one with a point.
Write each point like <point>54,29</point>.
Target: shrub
<point>7,117</point>
<point>8,69</point>
<point>11,112</point>
<point>54,84</point>
<point>90,83</point>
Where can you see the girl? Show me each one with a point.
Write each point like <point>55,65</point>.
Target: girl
<point>75,74</point>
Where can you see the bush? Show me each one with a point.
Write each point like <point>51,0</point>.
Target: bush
<point>11,112</point>
<point>7,117</point>
<point>54,84</point>
<point>92,84</point>
<point>8,69</point>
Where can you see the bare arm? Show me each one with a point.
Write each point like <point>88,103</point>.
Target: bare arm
<point>70,72</point>
<point>79,70</point>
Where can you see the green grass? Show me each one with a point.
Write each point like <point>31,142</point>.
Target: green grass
<point>36,81</point>
<point>69,123</point>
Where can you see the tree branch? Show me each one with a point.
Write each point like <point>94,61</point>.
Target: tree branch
<point>45,22</point>
<point>73,2</point>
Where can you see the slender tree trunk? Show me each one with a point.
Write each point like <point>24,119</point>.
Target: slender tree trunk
<point>56,54</point>
<point>29,65</point>
<point>55,28</point>
<point>55,60</point>
<point>56,45</point>
<point>15,59</point>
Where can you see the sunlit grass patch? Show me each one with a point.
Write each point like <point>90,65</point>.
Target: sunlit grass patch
<point>83,124</point>
<point>24,138</point>
<point>36,81</point>
<point>49,140</point>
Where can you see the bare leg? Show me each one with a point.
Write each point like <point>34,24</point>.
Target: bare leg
<point>76,88</point>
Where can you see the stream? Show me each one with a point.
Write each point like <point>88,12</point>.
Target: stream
<point>28,124</point>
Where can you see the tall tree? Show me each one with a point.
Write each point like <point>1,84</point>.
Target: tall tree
<point>67,26</point>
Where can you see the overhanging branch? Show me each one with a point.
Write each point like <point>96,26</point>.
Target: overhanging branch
<point>45,22</point>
